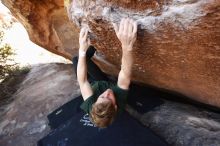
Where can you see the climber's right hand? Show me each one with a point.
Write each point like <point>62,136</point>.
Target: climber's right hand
<point>84,41</point>
<point>126,33</point>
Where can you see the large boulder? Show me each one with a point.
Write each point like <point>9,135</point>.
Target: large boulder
<point>177,47</point>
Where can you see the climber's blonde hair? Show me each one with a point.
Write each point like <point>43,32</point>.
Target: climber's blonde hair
<point>103,114</point>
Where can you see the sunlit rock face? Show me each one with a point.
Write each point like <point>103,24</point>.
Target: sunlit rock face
<point>177,48</point>
<point>47,24</point>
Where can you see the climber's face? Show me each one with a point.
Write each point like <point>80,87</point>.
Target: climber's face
<point>107,96</point>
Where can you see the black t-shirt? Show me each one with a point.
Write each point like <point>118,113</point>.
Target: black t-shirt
<point>98,88</point>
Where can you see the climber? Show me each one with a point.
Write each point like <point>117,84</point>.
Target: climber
<point>103,99</point>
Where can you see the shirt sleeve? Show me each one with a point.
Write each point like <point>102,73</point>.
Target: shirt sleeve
<point>86,106</point>
<point>121,97</point>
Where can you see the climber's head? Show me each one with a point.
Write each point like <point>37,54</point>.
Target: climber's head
<point>104,109</point>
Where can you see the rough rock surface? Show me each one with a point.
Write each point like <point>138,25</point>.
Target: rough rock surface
<point>46,88</point>
<point>47,24</point>
<point>177,48</point>
<point>49,86</point>
<point>182,124</point>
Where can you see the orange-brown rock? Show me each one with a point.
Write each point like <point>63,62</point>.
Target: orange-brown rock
<point>178,45</point>
<point>47,24</point>
<point>177,48</point>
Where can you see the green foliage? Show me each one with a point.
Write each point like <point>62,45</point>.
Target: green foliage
<point>10,72</point>
<point>10,84</point>
<point>7,65</point>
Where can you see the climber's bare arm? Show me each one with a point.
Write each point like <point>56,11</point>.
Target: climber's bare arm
<point>84,85</point>
<point>126,33</point>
